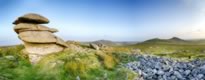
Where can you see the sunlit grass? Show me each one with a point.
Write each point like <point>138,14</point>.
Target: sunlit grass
<point>108,60</point>
<point>87,64</point>
<point>70,64</point>
<point>178,51</point>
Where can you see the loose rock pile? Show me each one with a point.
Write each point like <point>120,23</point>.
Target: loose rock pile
<point>39,40</point>
<point>156,68</point>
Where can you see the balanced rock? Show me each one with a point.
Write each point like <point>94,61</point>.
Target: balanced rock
<point>38,40</point>
<point>31,18</point>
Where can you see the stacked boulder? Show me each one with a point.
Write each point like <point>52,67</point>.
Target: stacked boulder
<point>38,40</point>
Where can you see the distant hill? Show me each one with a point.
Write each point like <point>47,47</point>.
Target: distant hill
<point>123,43</point>
<point>111,43</point>
<point>198,41</point>
<point>177,39</point>
<point>173,40</point>
<point>105,42</point>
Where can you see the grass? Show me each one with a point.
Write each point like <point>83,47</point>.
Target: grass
<point>66,65</point>
<point>188,51</point>
<point>83,63</point>
<point>108,60</point>
<point>87,64</point>
<point>124,57</point>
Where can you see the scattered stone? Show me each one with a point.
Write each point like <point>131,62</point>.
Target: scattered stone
<point>158,68</point>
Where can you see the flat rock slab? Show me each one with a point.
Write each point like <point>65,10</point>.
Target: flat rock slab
<point>37,37</point>
<point>42,49</point>
<point>31,18</point>
<point>22,27</point>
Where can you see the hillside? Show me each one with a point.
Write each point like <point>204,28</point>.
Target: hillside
<point>105,42</point>
<point>75,63</point>
<point>173,47</point>
<point>85,63</point>
<point>111,43</point>
<point>173,40</point>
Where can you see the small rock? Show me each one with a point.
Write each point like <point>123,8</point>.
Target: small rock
<point>77,78</point>
<point>187,72</point>
<point>154,71</point>
<point>200,76</point>
<point>160,72</point>
<point>178,75</point>
<point>173,77</point>
<point>10,57</point>
<point>202,67</point>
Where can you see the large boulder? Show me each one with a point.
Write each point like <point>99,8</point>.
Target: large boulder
<point>37,37</point>
<point>94,46</point>
<point>31,18</point>
<point>32,27</point>
<point>42,49</point>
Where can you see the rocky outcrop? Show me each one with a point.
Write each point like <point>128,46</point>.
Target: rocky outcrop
<point>158,68</point>
<point>98,46</point>
<point>94,46</point>
<point>39,40</point>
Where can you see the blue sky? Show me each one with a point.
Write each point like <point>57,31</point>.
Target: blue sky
<point>117,20</point>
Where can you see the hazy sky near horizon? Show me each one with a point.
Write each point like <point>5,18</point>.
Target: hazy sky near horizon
<point>117,20</point>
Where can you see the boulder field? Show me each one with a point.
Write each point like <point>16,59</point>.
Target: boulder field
<point>159,68</point>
